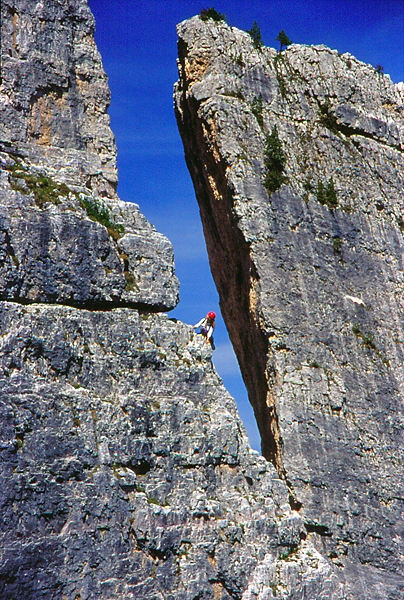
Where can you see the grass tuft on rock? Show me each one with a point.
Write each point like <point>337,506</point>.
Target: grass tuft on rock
<point>102,215</point>
<point>44,189</point>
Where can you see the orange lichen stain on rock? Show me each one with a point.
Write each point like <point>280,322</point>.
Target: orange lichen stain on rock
<point>195,69</point>
<point>42,116</point>
<point>217,591</point>
<point>83,85</point>
<point>212,561</point>
<point>210,134</point>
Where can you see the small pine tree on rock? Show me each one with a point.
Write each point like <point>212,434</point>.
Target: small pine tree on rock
<point>255,33</point>
<point>256,108</point>
<point>283,40</point>
<point>331,194</point>
<point>320,193</point>
<point>211,13</point>
<point>275,161</point>
<point>327,195</point>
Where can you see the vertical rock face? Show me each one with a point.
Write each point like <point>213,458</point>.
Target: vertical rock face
<point>309,270</point>
<point>125,471</point>
<point>54,92</point>
<point>65,237</point>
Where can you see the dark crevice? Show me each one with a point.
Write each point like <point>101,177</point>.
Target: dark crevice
<point>95,306</point>
<point>312,527</point>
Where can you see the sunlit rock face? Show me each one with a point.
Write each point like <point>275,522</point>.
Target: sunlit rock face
<point>65,237</point>
<point>54,92</point>
<point>125,469</point>
<point>307,256</point>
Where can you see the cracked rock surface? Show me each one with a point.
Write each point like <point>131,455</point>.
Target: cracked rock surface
<point>65,236</point>
<point>125,471</point>
<point>311,287</point>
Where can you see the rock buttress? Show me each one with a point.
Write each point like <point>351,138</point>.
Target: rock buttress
<point>65,237</point>
<point>309,275</point>
<point>126,472</point>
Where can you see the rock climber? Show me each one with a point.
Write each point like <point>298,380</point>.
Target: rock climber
<point>207,326</point>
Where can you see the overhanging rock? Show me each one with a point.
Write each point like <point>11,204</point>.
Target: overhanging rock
<point>309,272</point>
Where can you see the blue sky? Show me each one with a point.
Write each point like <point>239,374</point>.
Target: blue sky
<point>137,41</point>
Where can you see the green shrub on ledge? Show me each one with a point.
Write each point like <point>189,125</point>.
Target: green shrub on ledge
<point>256,109</point>
<point>43,188</point>
<point>327,195</point>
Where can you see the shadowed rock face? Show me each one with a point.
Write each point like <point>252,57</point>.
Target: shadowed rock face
<point>125,471</point>
<point>310,286</point>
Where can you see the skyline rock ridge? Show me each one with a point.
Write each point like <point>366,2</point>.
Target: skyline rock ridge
<point>125,471</point>
<point>298,167</point>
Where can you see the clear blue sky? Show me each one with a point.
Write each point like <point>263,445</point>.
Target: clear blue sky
<point>137,40</point>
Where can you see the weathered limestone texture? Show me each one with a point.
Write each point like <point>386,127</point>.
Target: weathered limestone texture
<point>311,279</point>
<point>65,237</point>
<point>125,471</point>
<point>54,92</point>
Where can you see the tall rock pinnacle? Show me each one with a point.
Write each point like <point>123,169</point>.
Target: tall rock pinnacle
<point>298,167</point>
<point>54,92</point>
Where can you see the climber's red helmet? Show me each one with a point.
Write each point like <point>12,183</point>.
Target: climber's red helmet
<point>211,315</point>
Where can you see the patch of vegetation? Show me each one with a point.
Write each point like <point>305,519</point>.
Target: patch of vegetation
<point>308,188</point>
<point>319,528</point>
<point>314,365</point>
<point>327,117</point>
<point>379,69</point>
<point>275,161</point>
<point>131,284</point>
<point>256,108</point>
<point>211,13</point>
<point>130,281</point>
<point>368,339</point>
<point>255,33</point>
<point>289,552</point>
<point>46,190</point>
<point>356,329</point>
<point>337,244</point>
<point>239,61</point>
<point>43,188</point>
<point>274,588</point>
<point>327,195</point>
<point>152,500</point>
<point>101,214</point>
<point>308,185</point>
<point>283,40</point>
<point>279,76</point>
